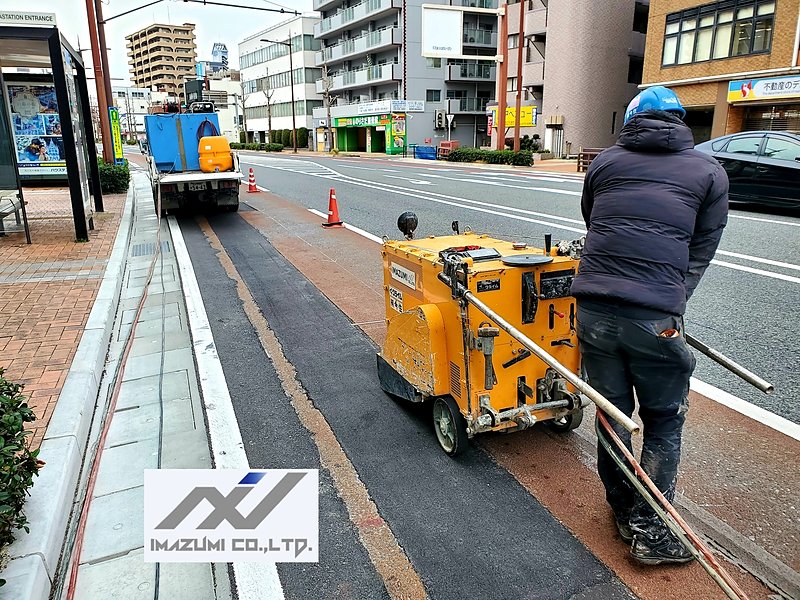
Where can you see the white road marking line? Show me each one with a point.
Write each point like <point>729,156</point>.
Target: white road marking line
<point>711,392</point>
<point>756,413</point>
<point>254,581</point>
<point>518,187</point>
<point>780,276</point>
<point>352,228</point>
<point>410,180</point>
<point>766,261</point>
<point>777,222</point>
<point>262,188</point>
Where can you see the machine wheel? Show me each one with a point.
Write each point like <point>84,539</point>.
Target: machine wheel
<point>450,426</point>
<point>567,422</point>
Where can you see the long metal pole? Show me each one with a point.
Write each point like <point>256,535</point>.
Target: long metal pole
<point>502,77</point>
<point>291,79</point>
<point>601,401</point>
<point>101,34</point>
<point>102,100</point>
<point>732,366</point>
<point>520,44</point>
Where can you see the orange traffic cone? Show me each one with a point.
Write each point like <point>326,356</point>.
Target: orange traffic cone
<point>251,181</point>
<point>333,211</point>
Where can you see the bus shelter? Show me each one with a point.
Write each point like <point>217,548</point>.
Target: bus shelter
<point>49,121</point>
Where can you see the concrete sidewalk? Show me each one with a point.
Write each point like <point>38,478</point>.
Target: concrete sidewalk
<point>157,423</point>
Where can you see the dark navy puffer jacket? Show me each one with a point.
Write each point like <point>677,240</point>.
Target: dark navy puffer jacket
<point>655,209</point>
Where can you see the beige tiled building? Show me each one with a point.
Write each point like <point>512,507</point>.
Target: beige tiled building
<point>733,63</point>
<point>161,57</point>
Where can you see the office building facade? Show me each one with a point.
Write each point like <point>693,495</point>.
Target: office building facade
<point>734,64</point>
<point>387,95</point>
<point>581,64</point>
<point>267,82</point>
<point>162,56</point>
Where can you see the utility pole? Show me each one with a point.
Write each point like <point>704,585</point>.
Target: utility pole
<point>244,112</point>
<point>268,93</point>
<point>327,99</point>
<point>520,44</point>
<point>502,78</point>
<point>101,35</point>
<point>102,98</point>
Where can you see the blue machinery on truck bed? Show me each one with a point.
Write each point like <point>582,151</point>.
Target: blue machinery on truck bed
<point>455,274</point>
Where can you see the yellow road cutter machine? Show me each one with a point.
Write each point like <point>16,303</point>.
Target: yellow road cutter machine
<point>456,308</point>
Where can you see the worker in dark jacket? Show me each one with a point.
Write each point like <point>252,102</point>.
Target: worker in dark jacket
<point>655,209</point>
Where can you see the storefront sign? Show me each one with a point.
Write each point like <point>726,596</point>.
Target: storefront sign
<point>745,90</point>
<point>384,106</point>
<point>116,134</point>
<point>442,32</point>
<point>363,121</point>
<point>527,116</point>
<point>27,18</point>
<point>36,127</point>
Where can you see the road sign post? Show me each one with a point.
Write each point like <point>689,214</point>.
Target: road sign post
<point>449,124</point>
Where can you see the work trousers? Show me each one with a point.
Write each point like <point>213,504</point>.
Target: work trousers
<point>622,355</point>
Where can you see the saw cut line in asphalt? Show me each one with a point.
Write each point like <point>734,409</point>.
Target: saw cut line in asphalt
<point>387,556</point>
<point>438,509</point>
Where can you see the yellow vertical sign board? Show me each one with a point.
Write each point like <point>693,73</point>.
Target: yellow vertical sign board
<point>116,133</point>
<point>527,116</point>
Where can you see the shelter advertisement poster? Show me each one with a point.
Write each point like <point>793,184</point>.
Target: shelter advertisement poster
<point>36,128</point>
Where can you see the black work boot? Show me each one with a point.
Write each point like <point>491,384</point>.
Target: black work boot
<point>655,551</point>
<point>624,528</point>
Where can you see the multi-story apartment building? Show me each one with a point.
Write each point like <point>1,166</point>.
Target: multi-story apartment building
<point>133,104</point>
<point>734,63</point>
<point>162,56</point>
<point>267,82</point>
<point>582,62</point>
<point>387,95</point>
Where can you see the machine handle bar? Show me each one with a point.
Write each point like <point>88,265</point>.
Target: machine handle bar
<point>732,366</point>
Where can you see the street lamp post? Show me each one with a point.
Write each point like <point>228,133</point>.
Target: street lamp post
<point>291,79</point>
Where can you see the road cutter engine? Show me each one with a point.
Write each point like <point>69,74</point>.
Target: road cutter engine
<point>462,311</point>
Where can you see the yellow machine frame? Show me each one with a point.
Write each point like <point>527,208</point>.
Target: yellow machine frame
<point>440,347</point>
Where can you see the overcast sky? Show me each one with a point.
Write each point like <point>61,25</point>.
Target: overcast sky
<point>213,24</point>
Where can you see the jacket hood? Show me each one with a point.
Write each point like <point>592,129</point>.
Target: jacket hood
<point>656,131</point>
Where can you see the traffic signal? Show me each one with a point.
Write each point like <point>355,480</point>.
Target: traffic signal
<point>439,119</point>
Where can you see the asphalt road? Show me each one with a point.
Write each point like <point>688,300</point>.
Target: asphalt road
<point>746,306</point>
<point>443,512</point>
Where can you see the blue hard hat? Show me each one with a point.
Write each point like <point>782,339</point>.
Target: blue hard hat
<point>657,97</point>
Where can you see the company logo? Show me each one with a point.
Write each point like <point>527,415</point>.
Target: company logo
<point>405,276</point>
<point>211,515</point>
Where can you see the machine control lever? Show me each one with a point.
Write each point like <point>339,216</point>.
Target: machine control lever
<point>525,353</point>
<point>486,335</point>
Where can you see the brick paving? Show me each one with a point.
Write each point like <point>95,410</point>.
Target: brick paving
<point>46,293</point>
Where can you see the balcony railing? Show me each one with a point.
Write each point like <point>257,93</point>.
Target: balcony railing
<point>363,77</point>
<point>326,4</point>
<point>471,72</point>
<point>477,3</point>
<point>353,15</point>
<point>361,45</point>
<point>467,105</point>
<point>480,37</point>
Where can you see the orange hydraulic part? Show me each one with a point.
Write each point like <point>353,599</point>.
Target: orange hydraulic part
<point>251,181</point>
<point>333,211</point>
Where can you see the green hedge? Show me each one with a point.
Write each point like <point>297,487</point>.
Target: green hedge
<point>18,463</point>
<point>256,146</point>
<point>114,179</point>
<point>495,157</point>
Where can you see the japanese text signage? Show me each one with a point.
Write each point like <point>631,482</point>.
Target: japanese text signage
<point>362,121</point>
<point>527,116</point>
<point>116,134</point>
<point>745,90</point>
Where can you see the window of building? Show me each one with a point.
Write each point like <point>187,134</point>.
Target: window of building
<point>511,84</point>
<point>456,94</point>
<point>781,149</point>
<point>433,95</point>
<point>433,63</point>
<point>513,40</point>
<point>635,69</point>
<point>719,30</point>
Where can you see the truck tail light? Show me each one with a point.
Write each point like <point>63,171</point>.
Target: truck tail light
<point>169,188</point>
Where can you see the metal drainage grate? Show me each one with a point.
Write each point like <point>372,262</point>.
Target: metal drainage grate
<point>148,248</point>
